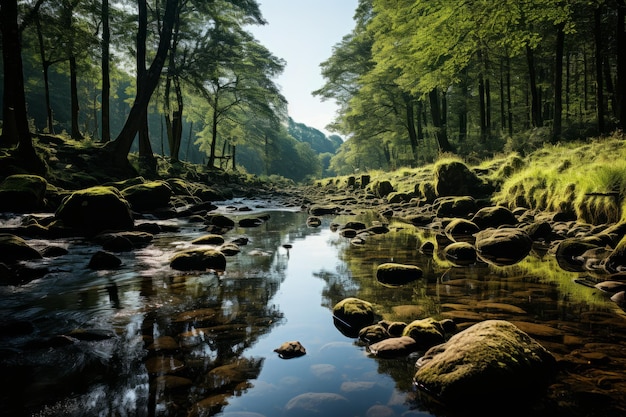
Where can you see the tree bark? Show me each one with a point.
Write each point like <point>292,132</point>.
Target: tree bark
<point>15,129</point>
<point>106,78</point>
<point>620,88</point>
<point>535,99</point>
<point>75,109</point>
<point>558,85</point>
<point>440,130</point>
<point>122,144</point>
<point>597,32</point>
<point>146,157</point>
<point>410,123</point>
<point>45,64</point>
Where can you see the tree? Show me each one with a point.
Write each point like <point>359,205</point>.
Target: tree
<point>120,147</point>
<point>15,127</point>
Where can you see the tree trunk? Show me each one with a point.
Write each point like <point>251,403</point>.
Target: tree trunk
<point>74,99</point>
<point>410,123</point>
<point>122,144</point>
<point>106,79</point>
<point>535,99</point>
<point>597,32</point>
<point>15,128</point>
<point>620,90</point>
<point>509,104</point>
<point>215,121</point>
<point>45,64</point>
<point>482,107</point>
<point>440,130</point>
<point>174,127</point>
<point>558,85</point>
<point>146,156</point>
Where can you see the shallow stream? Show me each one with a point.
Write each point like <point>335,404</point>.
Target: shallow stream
<point>145,340</point>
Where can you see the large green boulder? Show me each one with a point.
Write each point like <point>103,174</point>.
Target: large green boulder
<point>148,196</point>
<point>426,332</point>
<point>22,193</point>
<point>94,210</point>
<point>494,216</point>
<point>454,178</point>
<point>490,364</point>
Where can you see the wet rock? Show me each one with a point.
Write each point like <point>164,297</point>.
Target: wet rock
<point>395,274</point>
<point>455,206</point>
<point>504,246</point>
<point>210,239</point>
<point>540,231</point>
<point>374,333</point>
<point>317,404</point>
<point>148,196</point>
<point>490,364</point>
<point>354,225</point>
<point>354,313</point>
<point>313,221</point>
<point>394,347</point>
<point>460,253</point>
<point>240,241</point>
<point>250,222</point>
<point>461,230</point>
<point>321,210</point>
<point>348,233</point>
<point>209,406</point>
<point>616,261</point>
<point>104,260</point>
<point>22,193</point>
<point>163,343</point>
<point>221,221</point>
<point>494,216</point>
<point>426,332</point>
<point>569,251</point>
<point>14,249</point>
<point>289,350</point>
<point>234,374</point>
<point>199,260</point>
<point>229,249</point>
<point>123,241</point>
<point>611,287</point>
<point>53,251</point>
<point>427,248</point>
<point>94,210</point>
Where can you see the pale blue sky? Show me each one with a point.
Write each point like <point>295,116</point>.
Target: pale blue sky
<point>303,32</point>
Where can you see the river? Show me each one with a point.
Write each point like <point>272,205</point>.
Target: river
<point>145,340</point>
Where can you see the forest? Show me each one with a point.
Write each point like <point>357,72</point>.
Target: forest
<point>414,80</point>
<point>183,77</point>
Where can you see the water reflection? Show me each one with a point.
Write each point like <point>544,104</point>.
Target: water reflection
<point>155,342</point>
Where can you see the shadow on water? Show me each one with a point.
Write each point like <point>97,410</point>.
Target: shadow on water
<point>145,340</point>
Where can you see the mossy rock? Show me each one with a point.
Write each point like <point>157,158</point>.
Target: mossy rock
<point>494,216</point>
<point>22,193</point>
<point>461,230</point>
<point>381,188</point>
<point>354,313</point>
<point>426,332</point>
<point>490,364</point>
<point>461,207</point>
<point>210,239</point>
<point>454,178</point>
<point>14,248</point>
<point>395,274</point>
<point>505,246</point>
<point>394,347</point>
<point>616,261</point>
<point>569,252</point>
<point>148,196</point>
<point>199,260</point>
<point>460,253</point>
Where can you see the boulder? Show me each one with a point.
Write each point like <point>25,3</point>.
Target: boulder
<point>381,188</point>
<point>395,274</point>
<point>354,313</point>
<point>374,333</point>
<point>148,196</point>
<point>461,230</point>
<point>94,210</point>
<point>569,252</point>
<point>317,404</point>
<point>104,260</point>
<point>394,347</point>
<point>426,332</point>
<point>616,261</point>
<point>14,248</point>
<point>220,220</point>
<point>460,253</point>
<point>462,206</point>
<point>199,260</point>
<point>490,364</point>
<point>210,239</point>
<point>289,350</point>
<point>494,216</point>
<point>505,246</point>
<point>22,193</point>
<point>454,178</point>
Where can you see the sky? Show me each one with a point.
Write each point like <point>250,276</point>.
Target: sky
<point>303,32</point>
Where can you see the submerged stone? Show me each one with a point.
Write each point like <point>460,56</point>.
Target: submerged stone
<point>395,274</point>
